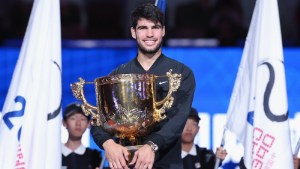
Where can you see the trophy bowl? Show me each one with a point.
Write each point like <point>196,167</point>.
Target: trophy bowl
<point>126,104</point>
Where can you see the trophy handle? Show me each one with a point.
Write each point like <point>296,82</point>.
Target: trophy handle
<point>174,83</point>
<point>88,109</point>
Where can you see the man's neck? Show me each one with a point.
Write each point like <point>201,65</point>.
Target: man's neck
<point>147,60</point>
<point>187,146</point>
<point>73,144</point>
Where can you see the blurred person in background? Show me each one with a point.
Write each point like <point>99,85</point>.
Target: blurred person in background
<point>74,154</point>
<point>195,157</point>
<point>227,23</point>
<point>192,20</point>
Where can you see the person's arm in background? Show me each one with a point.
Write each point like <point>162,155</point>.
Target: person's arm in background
<point>221,154</point>
<point>96,158</point>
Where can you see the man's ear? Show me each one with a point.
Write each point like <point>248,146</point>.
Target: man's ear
<point>198,129</point>
<point>133,33</point>
<point>64,123</point>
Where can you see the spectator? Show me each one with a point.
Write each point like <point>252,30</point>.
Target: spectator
<point>194,156</point>
<point>74,154</point>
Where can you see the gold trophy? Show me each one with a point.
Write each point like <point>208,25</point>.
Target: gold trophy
<point>126,105</point>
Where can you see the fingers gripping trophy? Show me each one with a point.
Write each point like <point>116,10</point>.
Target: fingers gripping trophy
<point>126,105</point>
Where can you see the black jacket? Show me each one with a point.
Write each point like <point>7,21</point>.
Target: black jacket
<point>205,159</point>
<point>167,134</point>
<point>89,160</point>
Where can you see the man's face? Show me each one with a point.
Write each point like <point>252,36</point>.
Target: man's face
<point>148,36</point>
<point>190,130</point>
<point>76,124</point>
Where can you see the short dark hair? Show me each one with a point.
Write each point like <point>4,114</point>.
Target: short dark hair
<point>73,108</point>
<point>148,11</point>
<point>194,114</point>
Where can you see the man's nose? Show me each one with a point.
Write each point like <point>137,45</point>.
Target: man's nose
<point>149,33</point>
<point>78,122</point>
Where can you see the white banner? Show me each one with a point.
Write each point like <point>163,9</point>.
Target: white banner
<point>31,115</point>
<point>258,111</point>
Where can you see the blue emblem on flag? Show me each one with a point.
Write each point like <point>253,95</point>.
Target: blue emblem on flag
<point>17,113</point>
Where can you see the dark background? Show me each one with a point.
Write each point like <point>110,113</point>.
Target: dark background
<point>226,21</point>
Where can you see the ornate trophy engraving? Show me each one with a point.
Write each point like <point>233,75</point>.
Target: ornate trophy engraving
<point>126,104</point>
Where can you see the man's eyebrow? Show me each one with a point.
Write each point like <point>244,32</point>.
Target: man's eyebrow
<point>141,26</point>
<point>158,25</point>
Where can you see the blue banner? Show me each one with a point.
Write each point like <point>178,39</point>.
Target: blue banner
<point>215,71</point>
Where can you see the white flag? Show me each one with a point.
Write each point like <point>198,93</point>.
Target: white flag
<point>31,122</point>
<point>258,111</point>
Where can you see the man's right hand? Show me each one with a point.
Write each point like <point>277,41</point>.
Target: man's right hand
<point>116,155</point>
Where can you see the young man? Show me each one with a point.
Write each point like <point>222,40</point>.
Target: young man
<point>74,154</point>
<point>193,156</point>
<point>162,147</point>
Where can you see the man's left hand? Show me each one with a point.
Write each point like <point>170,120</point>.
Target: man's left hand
<point>143,158</point>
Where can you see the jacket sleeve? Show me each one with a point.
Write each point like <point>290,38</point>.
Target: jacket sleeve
<point>207,157</point>
<point>100,136</point>
<point>210,159</point>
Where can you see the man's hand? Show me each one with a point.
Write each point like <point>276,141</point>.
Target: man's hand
<point>221,153</point>
<point>116,155</point>
<point>143,158</point>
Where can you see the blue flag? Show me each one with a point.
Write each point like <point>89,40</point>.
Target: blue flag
<point>161,4</point>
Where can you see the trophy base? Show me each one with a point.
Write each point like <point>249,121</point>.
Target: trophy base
<point>132,150</point>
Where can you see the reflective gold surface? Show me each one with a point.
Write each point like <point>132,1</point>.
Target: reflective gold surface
<point>126,105</point>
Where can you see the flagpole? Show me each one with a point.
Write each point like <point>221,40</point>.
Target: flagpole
<point>161,4</point>
<point>297,147</point>
<point>102,161</point>
<point>222,146</point>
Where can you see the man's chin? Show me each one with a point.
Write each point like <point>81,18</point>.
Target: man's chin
<point>188,141</point>
<point>149,50</point>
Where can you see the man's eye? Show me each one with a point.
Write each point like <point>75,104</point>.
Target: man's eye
<point>140,28</point>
